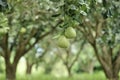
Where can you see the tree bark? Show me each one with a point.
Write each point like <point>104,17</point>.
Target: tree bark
<point>11,71</point>
<point>107,64</point>
<point>28,68</point>
<point>69,71</point>
<point>111,76</point>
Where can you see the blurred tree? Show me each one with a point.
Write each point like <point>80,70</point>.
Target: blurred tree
<point>49,61</point>
<point>26,20</point>
<point>35,56</point>
<point>3,9</point>
<point>70,55</point>
<point>1,65</point>
<point>87,61</point>
<point>99,21</point>
<point>3,5</point>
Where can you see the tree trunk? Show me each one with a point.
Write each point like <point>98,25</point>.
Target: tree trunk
<point>107,63</point>
<point>69,71</point>
<point>111,76</point>
<point>91,68</point>
<point>28,68</point>
<point>11,71</point>
<point>112,79</point>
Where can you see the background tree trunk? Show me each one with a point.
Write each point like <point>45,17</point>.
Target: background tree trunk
<point>28,67</point>
<point>69,71</point>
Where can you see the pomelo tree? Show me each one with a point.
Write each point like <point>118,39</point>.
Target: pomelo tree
<point>26,20</point>
<point>98,21</point>
<point>70,55</point>
<point>36,55</point>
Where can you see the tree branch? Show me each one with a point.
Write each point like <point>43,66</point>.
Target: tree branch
<point>32,33</point>
<point>116,63</point>
<point>41,37</point>
<point>14,43</point>
<point>99,28</point>
<point>58,54</point>
<point>77,56</point>
<point>5,48</point>
<point>42,55</point>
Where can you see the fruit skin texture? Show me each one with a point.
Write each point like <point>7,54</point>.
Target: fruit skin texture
<point>70,33</point>
<point>23,30</point>
<point>63,42</point>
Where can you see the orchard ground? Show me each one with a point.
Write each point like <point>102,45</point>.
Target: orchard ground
<point>39,75</point>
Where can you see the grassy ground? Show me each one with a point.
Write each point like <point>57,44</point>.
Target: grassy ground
<point>38,74</point>
<point>82,76</point>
